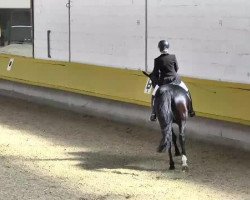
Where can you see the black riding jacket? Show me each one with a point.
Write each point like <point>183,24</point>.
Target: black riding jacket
<point>165,69</point>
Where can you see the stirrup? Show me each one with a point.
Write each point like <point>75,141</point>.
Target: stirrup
<point>152,117</point>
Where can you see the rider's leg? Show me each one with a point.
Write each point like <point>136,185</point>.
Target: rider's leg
<point>153,114</point>
<point>190,109</point>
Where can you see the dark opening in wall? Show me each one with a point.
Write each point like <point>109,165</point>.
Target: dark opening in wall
<point>16,32</point>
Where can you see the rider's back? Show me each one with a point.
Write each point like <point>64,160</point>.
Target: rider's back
<point>167,66</point>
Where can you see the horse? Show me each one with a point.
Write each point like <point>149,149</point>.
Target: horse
<point>171,104</point>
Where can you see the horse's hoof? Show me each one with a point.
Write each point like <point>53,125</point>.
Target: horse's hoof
<point>185,168</point>
<point>160,149</point>
<point>177,153</point>
<point>172,167</point>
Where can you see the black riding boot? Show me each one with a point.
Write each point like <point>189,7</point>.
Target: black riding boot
<point>153,114</point>
<point>191,111</point>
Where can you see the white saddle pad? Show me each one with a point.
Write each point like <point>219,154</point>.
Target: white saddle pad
<point>182,84</point>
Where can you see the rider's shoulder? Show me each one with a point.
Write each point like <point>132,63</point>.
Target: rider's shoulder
<point>172,55</point>
<point>158,57</point>
<point>163,56</point>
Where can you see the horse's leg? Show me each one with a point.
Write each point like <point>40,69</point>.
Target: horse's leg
<point>171,161</point>
<point>182,143</point>
<point>177,152</point>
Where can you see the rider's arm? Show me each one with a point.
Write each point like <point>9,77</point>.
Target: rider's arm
<point>154,76</point>
<point>155,71</point>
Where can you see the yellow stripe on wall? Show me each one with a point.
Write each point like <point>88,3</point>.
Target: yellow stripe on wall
<point>212,99</point>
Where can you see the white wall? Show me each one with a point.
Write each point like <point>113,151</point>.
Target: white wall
<point>51,15</point>
<point>109,32</point>
<point>210,38</point>
<point>14,3</point>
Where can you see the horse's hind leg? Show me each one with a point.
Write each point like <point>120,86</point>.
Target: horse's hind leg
<point>182,143</point>
<point>177,152</point>
<point>171,161</point>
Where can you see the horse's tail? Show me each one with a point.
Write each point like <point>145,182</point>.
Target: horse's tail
<point>163,107</point>
<point>165,116</point>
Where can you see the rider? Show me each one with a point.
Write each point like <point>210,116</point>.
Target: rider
<point>165,72</point>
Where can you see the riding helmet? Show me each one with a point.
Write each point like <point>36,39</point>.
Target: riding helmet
<point>162,45</point>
